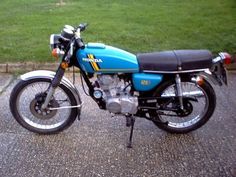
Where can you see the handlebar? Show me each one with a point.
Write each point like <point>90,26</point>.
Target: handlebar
<point>82,26</point>
<point>78,39</point>
<point>80,43</point>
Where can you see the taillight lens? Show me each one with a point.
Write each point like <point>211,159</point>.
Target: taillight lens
<point>227,59</point>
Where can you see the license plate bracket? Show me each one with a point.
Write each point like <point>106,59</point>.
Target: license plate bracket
<point>224,76</point>
<point>220,73</point>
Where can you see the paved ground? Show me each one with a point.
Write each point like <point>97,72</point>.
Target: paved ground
<point>96,146</point>
<point>5,80</point>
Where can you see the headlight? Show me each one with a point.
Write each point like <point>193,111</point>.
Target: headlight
<point>55,41</point>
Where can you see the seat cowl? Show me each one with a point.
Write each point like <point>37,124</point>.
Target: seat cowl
<point>176,60</point>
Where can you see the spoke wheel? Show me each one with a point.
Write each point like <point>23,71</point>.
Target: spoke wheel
<point>27,98</point>
<point>196,112</point>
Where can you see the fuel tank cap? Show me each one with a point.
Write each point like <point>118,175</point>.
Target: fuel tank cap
<point>96,45</point>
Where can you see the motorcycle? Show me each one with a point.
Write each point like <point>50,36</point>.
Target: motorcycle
<point>169,88</point>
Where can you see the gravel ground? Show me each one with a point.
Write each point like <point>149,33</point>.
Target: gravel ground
<point>96,145</point>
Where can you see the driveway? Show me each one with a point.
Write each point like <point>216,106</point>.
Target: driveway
<point>96,145</point>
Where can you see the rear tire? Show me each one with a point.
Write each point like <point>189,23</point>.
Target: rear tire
<point>23,107</point>
<point>198,121</point>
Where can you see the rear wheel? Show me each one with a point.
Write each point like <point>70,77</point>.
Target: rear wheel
<point>197,111</point>
<point>27,98</point>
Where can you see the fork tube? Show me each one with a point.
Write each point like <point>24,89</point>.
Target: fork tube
<point>179,90</point>
<point>55,83</point>
<point>48,98</point>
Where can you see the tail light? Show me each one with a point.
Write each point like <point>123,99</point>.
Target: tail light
<point>226,58</point>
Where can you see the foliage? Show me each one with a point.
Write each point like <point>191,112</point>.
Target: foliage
<point>134,25</point>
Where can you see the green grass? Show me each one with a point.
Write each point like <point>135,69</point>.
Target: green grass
<point>134,25</point>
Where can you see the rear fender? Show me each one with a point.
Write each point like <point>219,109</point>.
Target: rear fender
<point>50,75</point>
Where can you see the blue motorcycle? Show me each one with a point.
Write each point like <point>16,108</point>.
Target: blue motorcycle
<point>169,88</point>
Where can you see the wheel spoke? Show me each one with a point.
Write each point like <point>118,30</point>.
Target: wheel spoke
<point>31,113</point>
<point>199,107</point>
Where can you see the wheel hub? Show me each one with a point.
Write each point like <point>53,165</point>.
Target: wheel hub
<point>188,108</point>
<point>37,111</point>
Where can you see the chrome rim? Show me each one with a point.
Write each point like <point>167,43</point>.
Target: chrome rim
<point>27,107</point>
<point>199,108</point>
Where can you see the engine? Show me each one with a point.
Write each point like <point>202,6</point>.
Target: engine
<point>117,95</point>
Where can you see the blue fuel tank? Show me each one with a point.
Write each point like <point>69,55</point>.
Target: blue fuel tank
<point>100,58</point>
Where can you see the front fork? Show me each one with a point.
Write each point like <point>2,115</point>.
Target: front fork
<point>179,90</point>
<point>55,83</point>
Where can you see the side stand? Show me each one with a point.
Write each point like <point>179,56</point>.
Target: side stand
<point>132,120</point>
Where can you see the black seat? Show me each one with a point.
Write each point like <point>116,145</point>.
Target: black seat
<point>176,60</point>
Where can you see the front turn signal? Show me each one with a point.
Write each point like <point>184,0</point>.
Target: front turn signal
<point>57,53</point>
<point>64,65</point>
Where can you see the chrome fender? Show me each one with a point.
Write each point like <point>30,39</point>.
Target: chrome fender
<point>50,75</point>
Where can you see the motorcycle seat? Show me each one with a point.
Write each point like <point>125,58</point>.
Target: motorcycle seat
<point>176,60</point>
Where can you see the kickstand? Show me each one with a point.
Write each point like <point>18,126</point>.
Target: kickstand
<point>132,120</point>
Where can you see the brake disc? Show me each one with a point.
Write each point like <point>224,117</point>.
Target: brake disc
<point>35,107</point>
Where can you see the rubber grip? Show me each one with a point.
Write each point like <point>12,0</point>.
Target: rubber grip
<point>80,43</point>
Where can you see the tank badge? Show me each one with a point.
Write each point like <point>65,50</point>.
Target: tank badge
<point>91,58</point>
<point>93,61</point>
<point>145,82</point>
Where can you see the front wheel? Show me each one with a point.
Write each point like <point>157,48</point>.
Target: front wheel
<point>27,98</point>
<point>197,110</point>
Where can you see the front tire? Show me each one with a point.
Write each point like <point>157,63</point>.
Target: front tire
<point>201,112</point>
<point>25,106</point>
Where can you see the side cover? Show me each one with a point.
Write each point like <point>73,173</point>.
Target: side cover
<point>146,81</point>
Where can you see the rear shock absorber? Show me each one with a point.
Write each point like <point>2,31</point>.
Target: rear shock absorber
<point>179,90</point>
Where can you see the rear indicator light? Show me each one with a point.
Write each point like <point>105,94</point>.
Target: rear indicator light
<point>200,80</point>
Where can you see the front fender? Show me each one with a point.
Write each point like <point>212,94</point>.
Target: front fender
<point>50,75</point>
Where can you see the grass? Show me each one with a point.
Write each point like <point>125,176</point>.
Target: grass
<point>133,25</point>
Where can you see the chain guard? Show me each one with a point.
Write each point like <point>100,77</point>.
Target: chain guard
<point>162,104</point>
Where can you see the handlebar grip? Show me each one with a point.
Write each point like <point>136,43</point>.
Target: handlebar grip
<point>80,43</point>
<point>83,26</point>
